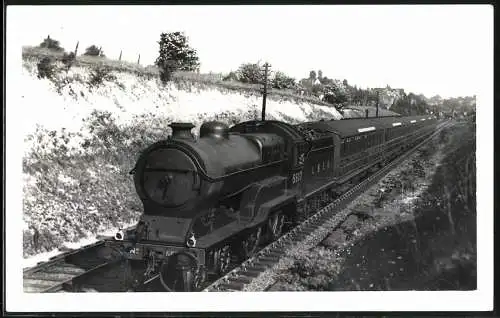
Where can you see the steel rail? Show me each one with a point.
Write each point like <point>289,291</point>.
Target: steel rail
<point>60,273</point>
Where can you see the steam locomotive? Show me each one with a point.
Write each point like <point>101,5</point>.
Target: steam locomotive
<point>212,199</point>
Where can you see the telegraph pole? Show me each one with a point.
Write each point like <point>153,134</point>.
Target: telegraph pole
<point>264,89</point>
<point>378,98</point>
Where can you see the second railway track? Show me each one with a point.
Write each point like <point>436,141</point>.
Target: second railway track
<point>65,271</point>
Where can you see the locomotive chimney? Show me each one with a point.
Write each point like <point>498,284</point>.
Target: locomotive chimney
<point>182,130</point>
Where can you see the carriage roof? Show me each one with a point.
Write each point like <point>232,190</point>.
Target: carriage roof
<point>351,127</point>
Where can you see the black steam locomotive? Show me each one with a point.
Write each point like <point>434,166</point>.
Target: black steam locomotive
<point>213,199</point>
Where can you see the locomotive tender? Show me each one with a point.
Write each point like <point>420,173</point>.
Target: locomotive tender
<point>213,199</point>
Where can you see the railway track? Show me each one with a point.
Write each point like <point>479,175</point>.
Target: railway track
<point>64,272</point>
<point>308,234</point>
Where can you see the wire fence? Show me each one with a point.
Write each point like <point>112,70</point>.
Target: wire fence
<point>100,53</point>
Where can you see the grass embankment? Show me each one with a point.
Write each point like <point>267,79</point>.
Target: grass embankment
<point>185,79</point>
<point>86,130</point>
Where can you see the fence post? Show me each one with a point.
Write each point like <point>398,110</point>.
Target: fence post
<point>76,48</point>
<point>120,57</point>
<point>139,59</point>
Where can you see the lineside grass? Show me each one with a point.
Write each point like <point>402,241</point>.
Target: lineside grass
<point>212,79</point>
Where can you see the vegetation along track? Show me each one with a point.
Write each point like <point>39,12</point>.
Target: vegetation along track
<point>66,271</point>
<point>309,233</point>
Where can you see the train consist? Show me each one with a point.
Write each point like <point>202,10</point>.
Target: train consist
<point>211,200</point>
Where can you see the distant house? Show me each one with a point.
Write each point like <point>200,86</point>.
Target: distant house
<point>308,82</point>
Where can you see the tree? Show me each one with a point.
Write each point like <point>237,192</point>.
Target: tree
<point>93,50</point>
<point>175,54</point>
<point>250,73</point>
<point>337,94</point>
<point>281,80</point>
<point>402,106</point>
<point>371,97</point>
<point>411,104</point>
<point>51,44</point>
<point>232,76</point>
<point>320,75</point>
<point>325,80</point>
<point>357,95</point>
<point>312,75</point>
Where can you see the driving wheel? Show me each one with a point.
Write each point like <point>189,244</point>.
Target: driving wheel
<point>275,226</point>
<point>250,243</point>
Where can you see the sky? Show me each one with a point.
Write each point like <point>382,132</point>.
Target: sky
<point>422,49</point>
